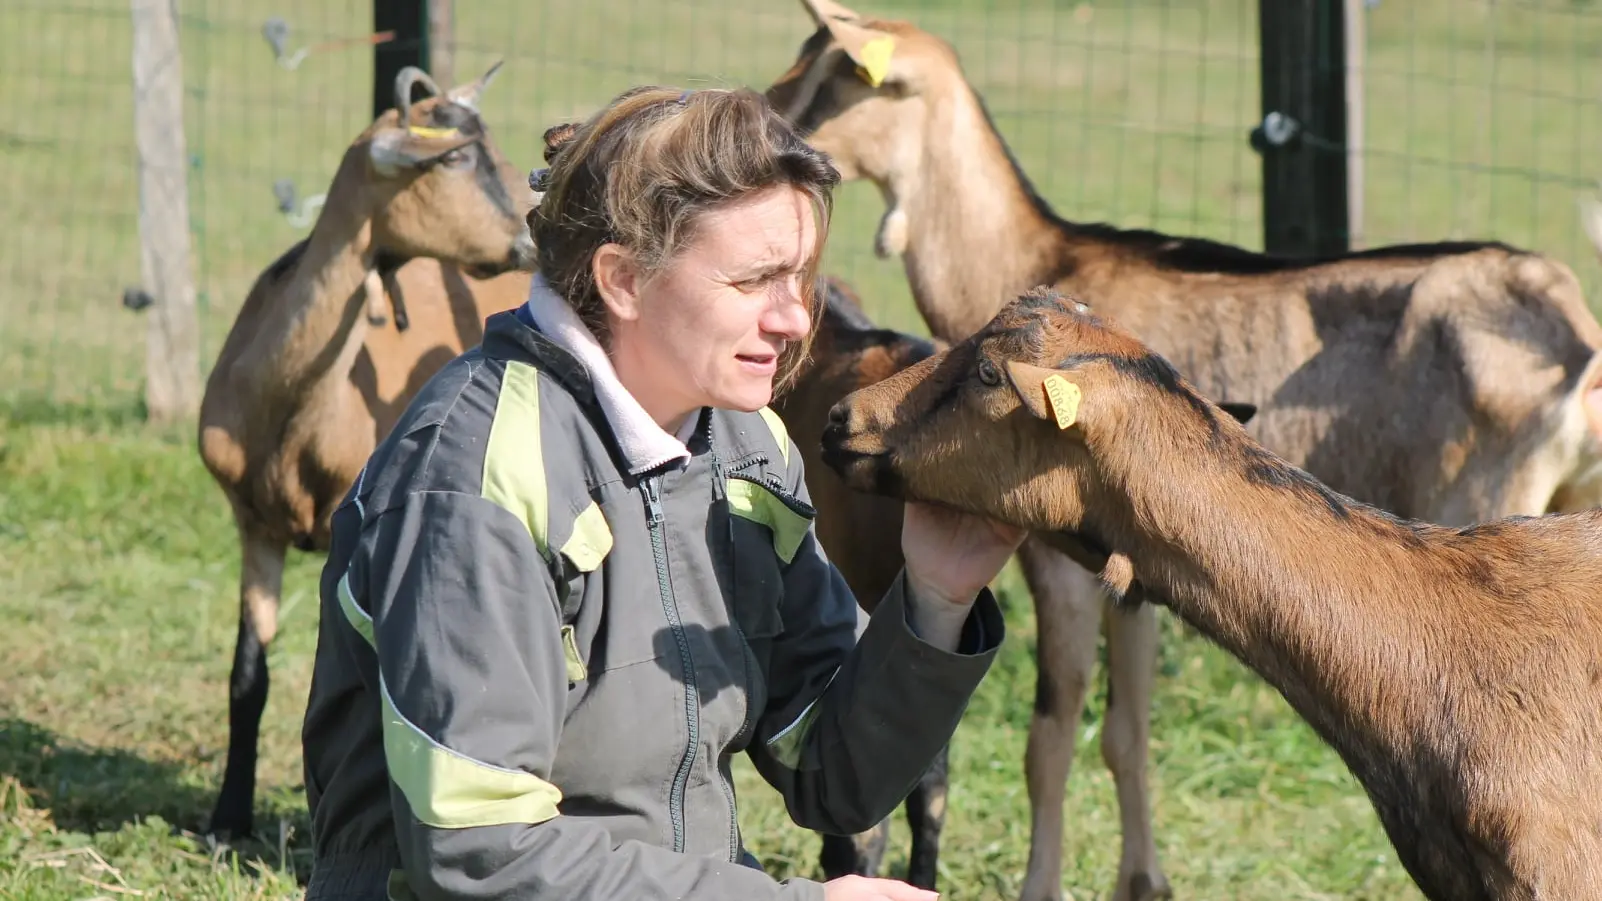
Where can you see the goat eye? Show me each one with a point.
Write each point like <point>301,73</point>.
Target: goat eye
<point>453,157</point>
<point>989,375</point>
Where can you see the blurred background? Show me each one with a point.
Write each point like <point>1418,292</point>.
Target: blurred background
<point>1419,120</point>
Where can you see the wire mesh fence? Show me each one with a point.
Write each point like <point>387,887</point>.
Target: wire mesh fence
<point>1481,120</point>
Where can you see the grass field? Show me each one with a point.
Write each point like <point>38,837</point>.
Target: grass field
<point>117,562</point>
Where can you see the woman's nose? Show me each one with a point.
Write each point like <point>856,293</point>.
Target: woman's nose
<point>788,318</point>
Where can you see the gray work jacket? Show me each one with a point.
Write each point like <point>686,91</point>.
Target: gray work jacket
<point>533,668</point>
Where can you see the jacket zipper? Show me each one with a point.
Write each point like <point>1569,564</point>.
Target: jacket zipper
<point>776,487</point>
<point>748,461</point>
<point>692,698</point>
<point>719,493</point>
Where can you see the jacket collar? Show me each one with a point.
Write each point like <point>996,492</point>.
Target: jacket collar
<point>643,444</point>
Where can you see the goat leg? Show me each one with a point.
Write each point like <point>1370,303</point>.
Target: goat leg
<point>1125,738</point>
<point>373,285</point>
<point>261,580</point>
<point>397,300</point>
<point>1068,611</point>
<point>854,855</point>
<point>926,816</point>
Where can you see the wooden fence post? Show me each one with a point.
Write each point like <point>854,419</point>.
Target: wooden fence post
<point>442,41</point>
<point>1356,64</point>
<point>172,345</point>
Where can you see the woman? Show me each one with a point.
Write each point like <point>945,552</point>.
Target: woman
<point>580,574</point>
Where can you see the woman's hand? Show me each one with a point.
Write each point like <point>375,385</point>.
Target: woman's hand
<point>951,556</point>
<point>862,888</point>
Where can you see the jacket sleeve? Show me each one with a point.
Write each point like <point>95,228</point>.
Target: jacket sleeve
<point>473,684</point>
<point>851,724</point>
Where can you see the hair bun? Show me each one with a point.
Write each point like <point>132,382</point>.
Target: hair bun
<point>557,137</point>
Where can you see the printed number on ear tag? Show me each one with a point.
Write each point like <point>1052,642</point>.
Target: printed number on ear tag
<point>875,56</point>
<point>1063,398</point>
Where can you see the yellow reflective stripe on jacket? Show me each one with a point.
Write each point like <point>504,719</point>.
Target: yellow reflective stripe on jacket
<point>514,462</point>
<point>780,433</point>
<point>354,614</point>
<point>448,790</point>
<point>752,501</point>
<point>591,539</point>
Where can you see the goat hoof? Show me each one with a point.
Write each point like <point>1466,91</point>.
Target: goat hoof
<point>1144,887</point>
<point>224,834</point>
<point>377,321</point>
<point>228,826</point>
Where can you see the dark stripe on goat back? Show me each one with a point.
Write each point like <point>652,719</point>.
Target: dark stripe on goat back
<point>1260,466</point>
<point>1263,467</point>
<point>1200,254</point>
<point>1182,254</point>
<point>1152,370</point>
<point>289,260</point>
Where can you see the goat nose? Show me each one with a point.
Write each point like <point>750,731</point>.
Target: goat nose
<point>838,416</point>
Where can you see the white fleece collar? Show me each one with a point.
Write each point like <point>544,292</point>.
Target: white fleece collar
<point>645,444</point>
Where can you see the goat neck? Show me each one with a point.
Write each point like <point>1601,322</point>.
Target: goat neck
<point>966,199</point>
<point>1301,584</point>
<point>315,324</point>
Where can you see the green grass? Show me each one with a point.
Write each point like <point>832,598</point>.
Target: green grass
<point>117,561</point>
<point>117,573</point>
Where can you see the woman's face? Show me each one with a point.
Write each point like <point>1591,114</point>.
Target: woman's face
<point>707,329</point>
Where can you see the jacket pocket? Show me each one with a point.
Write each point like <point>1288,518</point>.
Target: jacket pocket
<point>768,525</point>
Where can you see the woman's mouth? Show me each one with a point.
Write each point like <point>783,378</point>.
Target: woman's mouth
<point>759,364</point>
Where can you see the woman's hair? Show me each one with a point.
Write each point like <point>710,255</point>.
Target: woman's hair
<point>643,171</point>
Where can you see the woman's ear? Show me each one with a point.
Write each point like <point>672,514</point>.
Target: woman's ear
<point>617,279</point>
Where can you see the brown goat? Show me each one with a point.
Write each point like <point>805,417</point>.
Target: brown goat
<point>424,204</point>
<point>861,533</point>
<point>1449,382</point>
<point>1457,671</point>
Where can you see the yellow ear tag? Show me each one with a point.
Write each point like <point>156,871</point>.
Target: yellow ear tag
<point>1063,398</point>
<point>424,131</point>
<point>875,58</point>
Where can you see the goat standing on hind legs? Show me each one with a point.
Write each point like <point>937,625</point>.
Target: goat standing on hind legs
<point>297,398</point>
<point>1452,382</point>
<point>1457,671</point>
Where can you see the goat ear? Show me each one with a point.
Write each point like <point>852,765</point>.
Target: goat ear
<point>825,11</point>
<point>467,95</point>
<point>395,149</point>
<point>1030,384</point>
<point>871,49</point>
<point>1243,412</point>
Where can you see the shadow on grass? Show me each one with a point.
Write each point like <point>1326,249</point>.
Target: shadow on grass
<point>95,790</point>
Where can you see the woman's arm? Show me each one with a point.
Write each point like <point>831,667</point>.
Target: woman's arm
<point>468,638</point>
<point>851,725</point>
